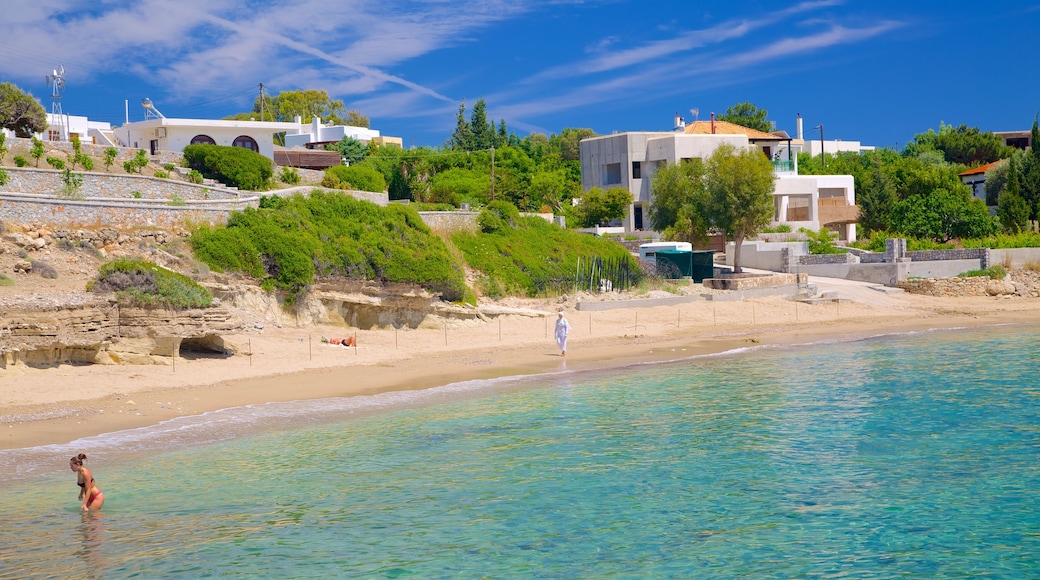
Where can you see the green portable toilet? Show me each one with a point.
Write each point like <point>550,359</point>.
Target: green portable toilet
<point>703,266</point>
<point>674,264</point>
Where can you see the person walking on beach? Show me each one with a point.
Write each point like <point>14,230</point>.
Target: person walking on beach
<point>562,328</point>
<point>89,494</point>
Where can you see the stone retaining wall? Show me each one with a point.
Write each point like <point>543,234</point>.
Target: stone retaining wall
<point>971,286</point>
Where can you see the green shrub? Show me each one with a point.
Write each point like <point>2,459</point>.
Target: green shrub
<point>21,161</point>
<point>1005,241</point>
<point>4,177</point>
<point>110,155</point>
<point>55,163</point>
<point>176,200</point>
<point>143,283</point>
<point>234,166</point>
<point>169,167</point>
<point>822,242</point>
<point>354,177</point>
<point>498,215</point>
<point>5,281</point>
<point>995,272</point>
<point>161,174</point>
<point>195,177</point>
<point>289,176</point>
<point>778,229</point>
<point>85,161</point>
<point>290,241</point>
<point>71,182</point>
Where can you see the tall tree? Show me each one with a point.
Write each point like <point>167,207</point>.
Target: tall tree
<point>21,112</point>
<point>1012,208</point>
<point>679,200</point>
<point>356,119</point>
<point>1030,174</point>
<point>484,136</point>
<point>599,207</point>
<point>306,104</point>
<point>462,137</point>
<point>876,200</point>
<point>740,194</point>
<point>747,115</point>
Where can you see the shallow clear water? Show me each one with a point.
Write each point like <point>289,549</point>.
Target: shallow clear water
<point>912,456</point>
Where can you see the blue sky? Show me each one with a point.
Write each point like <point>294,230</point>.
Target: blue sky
<point>875,71</point>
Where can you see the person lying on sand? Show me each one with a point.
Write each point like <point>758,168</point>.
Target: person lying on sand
<point>348,341</point>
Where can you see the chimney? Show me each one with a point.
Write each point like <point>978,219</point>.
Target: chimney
<point>680,123</point>
<point>713,123</point>
<point>799,126</point>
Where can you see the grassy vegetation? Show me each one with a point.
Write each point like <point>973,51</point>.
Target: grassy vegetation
<point>5,281</point>
<point>143,283</point>
<point>529,256</point>
<point>995,272</point>
<point>290,241</point>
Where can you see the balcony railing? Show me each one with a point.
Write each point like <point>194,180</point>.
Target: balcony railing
<point>783,165</point>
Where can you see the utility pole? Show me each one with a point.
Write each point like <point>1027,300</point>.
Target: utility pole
<point>823,159</point>
<point>261,101</point>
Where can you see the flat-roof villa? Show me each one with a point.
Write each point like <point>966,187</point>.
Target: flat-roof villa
<point>811,201</point>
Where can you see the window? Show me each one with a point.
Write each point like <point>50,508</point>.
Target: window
<point>613,176</point>
<point>246,142</point>
<point>202,140</point>
<point>53,135</point>
<point>636,170</point>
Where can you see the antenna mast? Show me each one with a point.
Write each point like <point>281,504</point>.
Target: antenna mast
<point>261,101</point>
<point>56,80</point>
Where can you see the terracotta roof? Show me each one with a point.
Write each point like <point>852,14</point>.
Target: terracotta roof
<point>727,128</point>
<point>978,170</point>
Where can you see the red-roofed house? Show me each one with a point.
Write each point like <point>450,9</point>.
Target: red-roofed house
<point>976,179</point>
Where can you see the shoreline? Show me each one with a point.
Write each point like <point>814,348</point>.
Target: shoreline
<point>56,406</point>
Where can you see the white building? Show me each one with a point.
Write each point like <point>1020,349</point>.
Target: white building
<point>63,127</point>
<point>164,134</point>
<point>629,160</point>
<point>317,135</point>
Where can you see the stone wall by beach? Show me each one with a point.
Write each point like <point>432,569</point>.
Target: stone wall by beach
<point>1020,283</point>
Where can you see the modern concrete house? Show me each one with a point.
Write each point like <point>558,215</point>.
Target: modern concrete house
<point>629,160</point>
<point>316,135</point>
<point>164,134</point>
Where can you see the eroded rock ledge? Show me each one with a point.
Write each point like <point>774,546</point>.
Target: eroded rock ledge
<point>99,331</point>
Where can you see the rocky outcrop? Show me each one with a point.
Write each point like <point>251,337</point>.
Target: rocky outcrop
<point>354,303</point>
<point>99,331</point>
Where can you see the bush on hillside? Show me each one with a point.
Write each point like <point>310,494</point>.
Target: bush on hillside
<point>355,177</point>
<point>530,256</point>
<point>290,241</point>
<point>143,283</point>
<point>233,166</point>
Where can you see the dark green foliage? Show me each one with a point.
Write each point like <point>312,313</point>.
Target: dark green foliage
<point>354,177</point>
<point>234,166</point>
<point>4,177</point>
<point>747,115</point>
<point>143,283</point>
<point>55,163</point>
<point>498,215</point>
<point>350,149</point>
<point>533,257</point>
<point>944,215</point>
<point>293,240</point>
<point>21,112</point>
<point>20,161</point>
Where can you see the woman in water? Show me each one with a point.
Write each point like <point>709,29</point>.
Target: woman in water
<point>89,494</point>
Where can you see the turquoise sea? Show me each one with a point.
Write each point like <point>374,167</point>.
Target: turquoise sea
<point>910,456</point>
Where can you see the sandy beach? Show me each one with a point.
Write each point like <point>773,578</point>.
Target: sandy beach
<point>62,404</point>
